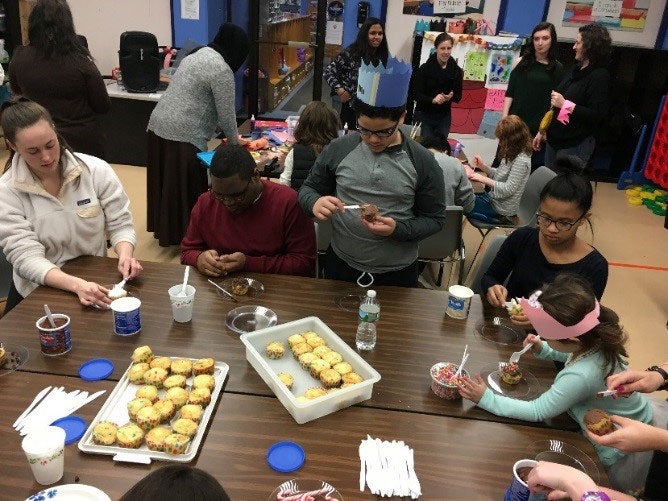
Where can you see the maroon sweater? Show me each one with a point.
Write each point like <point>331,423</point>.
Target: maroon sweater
<point>274,233</point>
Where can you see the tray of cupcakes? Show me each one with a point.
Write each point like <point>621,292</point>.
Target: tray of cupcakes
<point>158,410</point>
<point>310,369</point>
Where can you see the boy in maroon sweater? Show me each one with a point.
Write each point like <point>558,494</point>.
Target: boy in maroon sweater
<point>246,224</point>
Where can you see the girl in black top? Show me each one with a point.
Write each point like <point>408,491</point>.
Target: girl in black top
<point>317,127</point>
<point>436,85</point>
<point>530,257</point>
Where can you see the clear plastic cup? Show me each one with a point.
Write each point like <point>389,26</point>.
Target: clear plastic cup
<point>182,305</point>
<point>45,449</point>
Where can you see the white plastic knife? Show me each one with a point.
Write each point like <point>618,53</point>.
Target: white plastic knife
<point>35,401</point>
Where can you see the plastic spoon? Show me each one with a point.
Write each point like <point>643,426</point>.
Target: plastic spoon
<point>49,316</point>
<point>116,289</point>
<point>182,292</point>
<point>351,207</point>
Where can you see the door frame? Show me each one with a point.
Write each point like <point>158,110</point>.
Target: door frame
<point>254,55</point>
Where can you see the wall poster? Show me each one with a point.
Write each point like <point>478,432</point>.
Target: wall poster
<point>626,15</point>
<point>443,8</point>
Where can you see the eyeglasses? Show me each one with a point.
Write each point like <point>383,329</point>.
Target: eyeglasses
<point>232,197</point>
<point>378,133</point>
<point>561,225</point>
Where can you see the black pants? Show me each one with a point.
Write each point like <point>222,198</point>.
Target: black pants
<point>337,269</point>
<point>13,298</point>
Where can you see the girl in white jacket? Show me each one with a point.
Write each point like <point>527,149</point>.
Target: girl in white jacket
<point>56,205</point>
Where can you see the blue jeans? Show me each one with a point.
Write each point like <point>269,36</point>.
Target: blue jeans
<point>432,124</point>
<point>583,151</point>
<point>483,210</point>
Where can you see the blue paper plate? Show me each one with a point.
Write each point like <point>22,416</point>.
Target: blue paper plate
<point>96,369</point>
<point>74,427</point>
<point>285,457</point>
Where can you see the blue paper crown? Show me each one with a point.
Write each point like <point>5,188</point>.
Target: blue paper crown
<point>384,85</point>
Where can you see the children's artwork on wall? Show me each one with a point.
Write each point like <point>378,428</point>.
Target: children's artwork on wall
<point>448,8</point>
<point>500,67</point>
<point>475,66</point>
<point>488,124</point>
<point>627,15</point>
<point>494,100</point>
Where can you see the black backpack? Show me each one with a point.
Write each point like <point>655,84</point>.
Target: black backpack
<point>140,61</point>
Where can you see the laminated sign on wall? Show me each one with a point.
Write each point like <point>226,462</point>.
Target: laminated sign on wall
<point>449,6</point>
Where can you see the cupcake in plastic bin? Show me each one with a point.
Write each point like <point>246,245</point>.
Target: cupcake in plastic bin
<point>442,382</point>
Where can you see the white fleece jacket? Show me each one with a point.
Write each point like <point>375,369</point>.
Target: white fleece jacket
<point>39,232</point>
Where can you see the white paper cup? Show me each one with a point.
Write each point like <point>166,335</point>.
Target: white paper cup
<point>459,300</point>
<point>45,449</point>
<point>182,306</point>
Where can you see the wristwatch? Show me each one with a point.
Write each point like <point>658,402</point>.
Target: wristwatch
<point>663,373</point>
<point>594,496</point>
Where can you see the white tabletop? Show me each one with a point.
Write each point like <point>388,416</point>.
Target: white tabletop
<point>118,91</point>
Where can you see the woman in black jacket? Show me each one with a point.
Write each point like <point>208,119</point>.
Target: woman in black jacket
<point>585,91</point>
<point>436,85</point>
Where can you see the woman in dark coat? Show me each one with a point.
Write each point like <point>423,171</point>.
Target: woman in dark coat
<point>56,70</point>
<point>587,90</point>
<point>436,85</point>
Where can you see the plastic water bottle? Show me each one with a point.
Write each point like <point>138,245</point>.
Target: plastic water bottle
<point>369,312</point>
<point>252,123</point>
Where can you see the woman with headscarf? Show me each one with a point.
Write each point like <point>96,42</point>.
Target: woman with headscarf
<point>198,104</point>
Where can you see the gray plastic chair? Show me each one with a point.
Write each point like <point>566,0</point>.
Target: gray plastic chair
<point>488,256</point>
<point>5,275</point>
<point>528,205</point>
<point>446,246</point>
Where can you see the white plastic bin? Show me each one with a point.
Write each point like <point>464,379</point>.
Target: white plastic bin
<point>268,369</point>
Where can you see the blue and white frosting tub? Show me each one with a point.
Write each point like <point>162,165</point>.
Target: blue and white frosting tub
<point>127,320</point>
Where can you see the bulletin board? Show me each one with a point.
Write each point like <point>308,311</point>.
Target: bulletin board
<point>487,62</point>
<point>636,25</point>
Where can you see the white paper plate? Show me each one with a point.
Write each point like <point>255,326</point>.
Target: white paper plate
<point>70,492</point>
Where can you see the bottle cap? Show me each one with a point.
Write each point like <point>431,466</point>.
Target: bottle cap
<point>371,293</point>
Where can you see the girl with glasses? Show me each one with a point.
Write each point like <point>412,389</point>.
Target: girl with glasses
<point>532,256</point>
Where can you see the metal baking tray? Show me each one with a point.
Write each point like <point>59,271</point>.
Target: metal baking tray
<point>115,410</point>
<point>268,369</point>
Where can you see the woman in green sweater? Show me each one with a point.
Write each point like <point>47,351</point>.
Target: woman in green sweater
<point>532,81</point>
<point>588,338</point>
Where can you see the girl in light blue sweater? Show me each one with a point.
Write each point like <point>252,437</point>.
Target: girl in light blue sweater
<point>588,338</point>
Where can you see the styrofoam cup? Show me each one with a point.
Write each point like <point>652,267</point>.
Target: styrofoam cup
<point>459,300</point>
<point>182,306</point>
<point>45,449</point>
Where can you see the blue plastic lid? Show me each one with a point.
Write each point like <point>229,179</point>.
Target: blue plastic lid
<point>96,369</point>
<point>74,427</point>
<point>285,456</point>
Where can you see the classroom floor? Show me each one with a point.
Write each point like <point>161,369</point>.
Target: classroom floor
<point>631,238</point>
